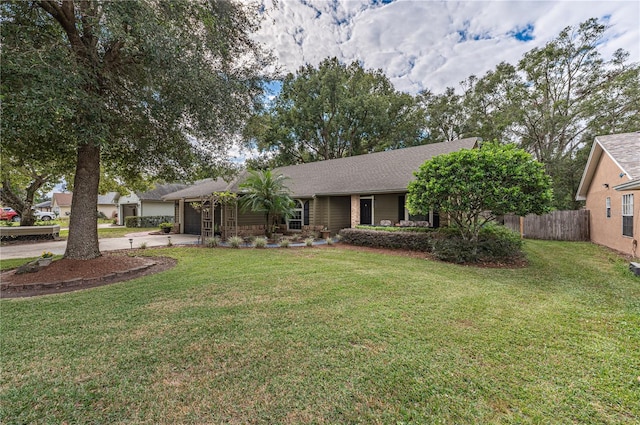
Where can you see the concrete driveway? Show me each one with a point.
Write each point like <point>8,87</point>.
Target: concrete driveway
<point>35,249</point>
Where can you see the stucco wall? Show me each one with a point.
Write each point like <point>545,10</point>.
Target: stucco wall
<point>608,231</point>
<point>108,210</point>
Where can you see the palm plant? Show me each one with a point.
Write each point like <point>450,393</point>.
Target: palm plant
<point>267,193</point>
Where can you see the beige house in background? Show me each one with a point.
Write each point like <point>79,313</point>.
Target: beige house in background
<point>108,204</point>
<point>147,204</point>
<point>61,204</point>
<point>333,194</point>
<point>610,186</point>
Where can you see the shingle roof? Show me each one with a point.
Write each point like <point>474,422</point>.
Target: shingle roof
<point>63,199</point>
<point>380,172</point>
<point>108,198</point>
<point>201,188</point>
<point>157,193</point>
<point>623,149</point>
<point>45,204</point>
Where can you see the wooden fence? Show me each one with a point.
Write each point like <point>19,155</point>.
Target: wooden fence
<point>557,225</point>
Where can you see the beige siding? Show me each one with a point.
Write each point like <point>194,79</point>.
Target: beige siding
<point>250,218</point>
<point>333,212</point>
<point>385,207</point>
<point>608,231</point>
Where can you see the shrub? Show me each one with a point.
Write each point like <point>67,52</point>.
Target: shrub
<point>495,243</point>
<point>284,243</point>
<point>150,221</point>
<point>394,228</point>
<point>213,242</point>
<point>414,241</point>
<point>260,242</point>
<point>309,241</point>
<point>235,241</point>
<point>329,241</point>
<point>143,245</point>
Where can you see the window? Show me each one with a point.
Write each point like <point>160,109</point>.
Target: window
<point>300,216</point>
<point>608,207</point>
<point>627,215</point>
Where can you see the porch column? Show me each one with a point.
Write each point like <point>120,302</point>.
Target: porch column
<point>355,210</point>
<point>181,215</point>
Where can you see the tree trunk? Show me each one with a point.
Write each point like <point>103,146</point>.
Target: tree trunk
<point>83,229</point>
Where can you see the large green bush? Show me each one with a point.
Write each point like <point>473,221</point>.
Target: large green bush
<point>495,244</point>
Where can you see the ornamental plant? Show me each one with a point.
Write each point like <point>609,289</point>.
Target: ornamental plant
<point>474,186</point>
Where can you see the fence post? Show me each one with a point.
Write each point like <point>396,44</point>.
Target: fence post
<point>521,227</point>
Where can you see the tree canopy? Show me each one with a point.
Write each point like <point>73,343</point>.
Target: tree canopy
<point>137,89</point>
<point>334,111</point>
<point>552,103</point>
<point>474,186</point>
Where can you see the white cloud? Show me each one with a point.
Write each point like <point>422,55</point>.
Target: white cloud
<point>433,44</point>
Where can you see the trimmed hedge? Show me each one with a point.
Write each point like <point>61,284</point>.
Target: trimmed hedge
<point>148,221</point>
<point>396,228</point>
<point>495,243</point>
<point>394,239</point>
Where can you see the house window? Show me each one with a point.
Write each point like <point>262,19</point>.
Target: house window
<point>608,207</point>
<point>627,215</point>
<point>300,216</point>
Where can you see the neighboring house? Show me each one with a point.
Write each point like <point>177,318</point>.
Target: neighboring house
<point>61,204</point>
<point>44,206</point>
<point>336,194</point>
<point>108,204</point>
<point>149,203</point>
<point>610,186</point>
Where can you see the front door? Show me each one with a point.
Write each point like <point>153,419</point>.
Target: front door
<point>366,211</point>
<point>192,220</point>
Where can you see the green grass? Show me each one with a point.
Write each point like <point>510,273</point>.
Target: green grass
<point>12,263</point>
<point>115,232</point>
<point>332,336</point>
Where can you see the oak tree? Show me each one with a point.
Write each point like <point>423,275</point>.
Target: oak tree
<point>336,110</point>
<point>137,88</point>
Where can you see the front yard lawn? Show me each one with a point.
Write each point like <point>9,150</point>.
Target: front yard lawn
<point>115,232</point>
<point>332,335</point>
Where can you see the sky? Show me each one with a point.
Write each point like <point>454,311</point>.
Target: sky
<point>425,44</point>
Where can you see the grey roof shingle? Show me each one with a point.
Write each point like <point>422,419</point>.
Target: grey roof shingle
<point>108,198</point>
<point>380,172</point>
<point>159,191</point>
<point>625,150</point>
<point>202,188</point>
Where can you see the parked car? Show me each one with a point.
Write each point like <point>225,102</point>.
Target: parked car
<point>43,215</point>
<point>9,214</point>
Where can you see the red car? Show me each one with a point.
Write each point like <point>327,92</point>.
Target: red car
<point>9,214</point>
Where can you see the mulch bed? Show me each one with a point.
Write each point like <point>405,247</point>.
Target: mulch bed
<point>66,275</point>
